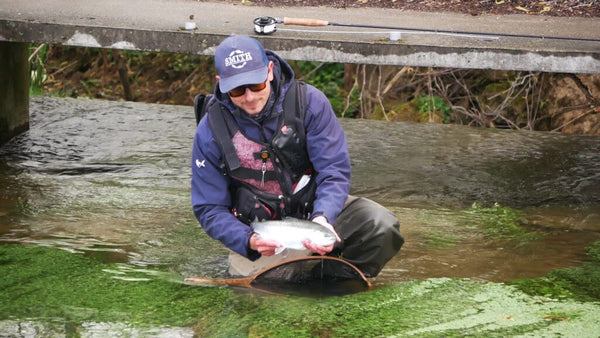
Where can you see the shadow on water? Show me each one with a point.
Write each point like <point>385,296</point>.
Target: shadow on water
<point>111,180</point>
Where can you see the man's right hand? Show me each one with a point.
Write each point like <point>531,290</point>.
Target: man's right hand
<point>265,247</point>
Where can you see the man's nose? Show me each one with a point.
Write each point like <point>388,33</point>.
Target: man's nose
<point>248,94</point>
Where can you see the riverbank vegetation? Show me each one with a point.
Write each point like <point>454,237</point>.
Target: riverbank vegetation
<point>568,103</point>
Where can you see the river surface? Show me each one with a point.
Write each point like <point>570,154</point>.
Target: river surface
<point>111,180</point>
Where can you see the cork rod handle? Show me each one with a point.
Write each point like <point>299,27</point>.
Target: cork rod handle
<point>304,22</point>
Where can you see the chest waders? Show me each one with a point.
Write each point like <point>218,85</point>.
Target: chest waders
<point>270,178</point>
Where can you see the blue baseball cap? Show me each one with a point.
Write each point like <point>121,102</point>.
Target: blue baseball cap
<point>240,60</point>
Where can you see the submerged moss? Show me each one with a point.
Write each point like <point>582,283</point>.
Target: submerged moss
<point>594,252</point>
<point>440,240</point>
<point>48,284</point>
<point>500,223</point>
<point>45,282</point>
<point>579,283</point>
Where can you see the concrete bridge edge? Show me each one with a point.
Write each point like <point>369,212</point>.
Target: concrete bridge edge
<point>14,89</point>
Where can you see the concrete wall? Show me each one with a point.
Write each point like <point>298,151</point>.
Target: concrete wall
<point>14,90</point>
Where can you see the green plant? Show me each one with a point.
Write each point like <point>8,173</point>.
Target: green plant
<point>329,78</point>
<point>594,252</point>
<point>431,104</point>
<point>89,86</point>
<point>185,62</point>
<point>37,68</point>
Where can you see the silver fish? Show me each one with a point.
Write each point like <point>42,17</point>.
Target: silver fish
<point>290,232</point>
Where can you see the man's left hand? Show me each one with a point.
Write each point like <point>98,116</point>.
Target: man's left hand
<point>319,249</point>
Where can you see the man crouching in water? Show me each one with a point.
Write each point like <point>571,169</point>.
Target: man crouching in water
<point>271,147</point>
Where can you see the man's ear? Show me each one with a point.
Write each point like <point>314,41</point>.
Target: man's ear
<point>217,77</point>
<point>270,75</point>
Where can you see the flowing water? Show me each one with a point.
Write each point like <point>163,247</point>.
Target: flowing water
<point>111,180</point>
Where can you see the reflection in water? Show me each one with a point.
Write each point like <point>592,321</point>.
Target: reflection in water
<point>111,180</point>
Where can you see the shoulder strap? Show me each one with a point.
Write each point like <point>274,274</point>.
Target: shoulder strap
<point>223,136</point>
<point>294,105</point>
<point>201,102</point>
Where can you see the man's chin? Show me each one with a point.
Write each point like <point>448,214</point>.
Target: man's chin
<point>253,110</point>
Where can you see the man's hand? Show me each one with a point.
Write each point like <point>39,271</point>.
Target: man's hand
<point>321,250</point>
<point>265,247</point>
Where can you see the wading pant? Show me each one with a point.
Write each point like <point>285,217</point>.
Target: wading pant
<point>370,237</point>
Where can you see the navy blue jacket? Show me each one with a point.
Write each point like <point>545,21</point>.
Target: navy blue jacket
<point>327,150</point>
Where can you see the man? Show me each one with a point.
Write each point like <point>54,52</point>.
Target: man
<point>271,147</point>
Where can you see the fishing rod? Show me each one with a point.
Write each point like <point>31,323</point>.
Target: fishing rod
<point>266,25</point>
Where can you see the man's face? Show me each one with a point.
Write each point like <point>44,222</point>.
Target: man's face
<point>254,102</point>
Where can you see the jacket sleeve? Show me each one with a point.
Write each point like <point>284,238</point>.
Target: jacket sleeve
<point>211,200</point>
<point>328,152</point>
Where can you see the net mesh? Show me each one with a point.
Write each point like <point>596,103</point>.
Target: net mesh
<point>313,276</point>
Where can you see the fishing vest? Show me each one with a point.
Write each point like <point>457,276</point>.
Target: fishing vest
<point>273,179</point>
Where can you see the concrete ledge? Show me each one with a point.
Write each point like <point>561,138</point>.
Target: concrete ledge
<point>437,56</point>
<point>326,50</point>
<point>156,25</point>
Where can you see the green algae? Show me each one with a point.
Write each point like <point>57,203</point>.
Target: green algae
<point>580,283</point>
<point>435,307</point>
<point>447,229</point>
<point>52,286</point>
<point>439,239</point>
<point>42,282</point>
<point>500,223</point>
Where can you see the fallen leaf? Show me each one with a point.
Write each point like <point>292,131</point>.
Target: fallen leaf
<point>522,9</point>
<point>564,319</point>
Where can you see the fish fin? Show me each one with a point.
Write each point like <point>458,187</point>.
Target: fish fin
<point>254,222</point>
<point>281,249</point>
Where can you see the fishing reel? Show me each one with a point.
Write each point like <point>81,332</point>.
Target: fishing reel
<point>265,25</point>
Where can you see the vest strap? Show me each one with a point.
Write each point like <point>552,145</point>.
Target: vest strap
<point>223,136</point>
<point>246,173</point>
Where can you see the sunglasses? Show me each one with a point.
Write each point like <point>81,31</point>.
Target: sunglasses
<point>241,90</point>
